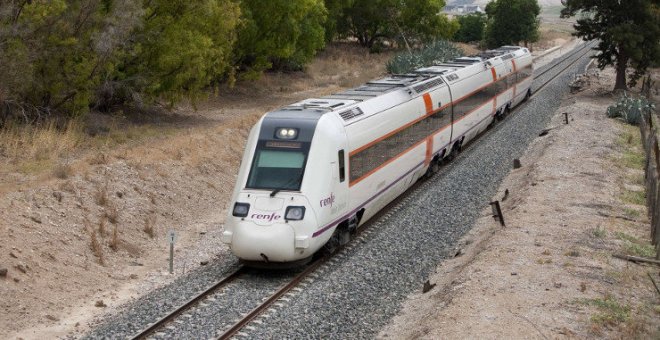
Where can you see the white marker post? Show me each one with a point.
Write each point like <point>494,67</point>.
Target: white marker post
<point>171,236</point>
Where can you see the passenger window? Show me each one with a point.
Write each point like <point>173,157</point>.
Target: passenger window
<point>342,168</point>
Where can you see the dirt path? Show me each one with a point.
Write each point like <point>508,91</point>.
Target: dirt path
<point>549,273</point>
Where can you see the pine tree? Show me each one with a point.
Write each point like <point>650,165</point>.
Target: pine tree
<point>628,33</point>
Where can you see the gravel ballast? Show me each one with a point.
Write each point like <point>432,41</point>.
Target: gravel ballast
<point>360,290</point>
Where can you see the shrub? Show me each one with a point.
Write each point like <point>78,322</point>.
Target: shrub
<point>630,109</point>
<point>434,53</point>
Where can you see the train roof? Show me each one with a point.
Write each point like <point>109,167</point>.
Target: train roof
<point>346,103</point>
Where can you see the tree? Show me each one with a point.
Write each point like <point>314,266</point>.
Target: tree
<point>179,49</point>
<point>628,33</point>
<point>280,34</point>
<point>471,27</point>
<point>372,20</point>
<point>54,52</point>
<point>511,22</point>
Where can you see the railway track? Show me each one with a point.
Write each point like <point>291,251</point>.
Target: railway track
<point>267,301</point>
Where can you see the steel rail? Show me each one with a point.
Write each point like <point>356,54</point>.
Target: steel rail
<point>287,287</point>
<point>143,334</point>
<point>279,293</point>
<point>234,329</point>
<point>561,71</point>
<point>565,58</point>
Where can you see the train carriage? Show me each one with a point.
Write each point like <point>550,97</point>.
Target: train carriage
<point>315,170</point>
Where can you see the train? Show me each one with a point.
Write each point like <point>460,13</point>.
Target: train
<point>314,171</point>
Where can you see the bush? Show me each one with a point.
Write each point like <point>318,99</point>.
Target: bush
<point>630,109</point>
<point>435,53</point>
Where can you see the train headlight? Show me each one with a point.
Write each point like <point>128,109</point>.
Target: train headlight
<point>286,133</point>
<point>241,209</point>
<point>294,213</point>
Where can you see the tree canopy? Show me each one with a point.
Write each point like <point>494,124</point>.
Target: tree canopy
<point>370,21</point>
<point>472,27</point>
<point>511,22</point>
<point>628,33</point>
<point>283,34</point>
<point>72,56</point>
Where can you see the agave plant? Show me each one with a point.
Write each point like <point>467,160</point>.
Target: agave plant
<point>630,109</point>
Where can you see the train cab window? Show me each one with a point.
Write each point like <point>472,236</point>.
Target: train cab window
<point>280,169</point>
<point>342,168</point>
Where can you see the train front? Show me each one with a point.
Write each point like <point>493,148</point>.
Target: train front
<point>270,219</point>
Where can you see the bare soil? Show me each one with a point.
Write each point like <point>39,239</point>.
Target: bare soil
<point>576,200</point>
<point>79,243</point>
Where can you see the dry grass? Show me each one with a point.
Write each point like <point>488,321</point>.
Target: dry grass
<point>112,213</point>
<point>101,195</point>
<point>102,230</point>
<point>62,171</point>
<point>114,240</point>
<point>23,144</point>
<point>96,247</point>
<point>150,226</point>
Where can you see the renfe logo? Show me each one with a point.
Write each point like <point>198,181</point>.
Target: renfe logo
<point>264,217</point>
<point>328,201</point>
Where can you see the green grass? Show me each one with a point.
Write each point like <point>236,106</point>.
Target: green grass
<point>610,312</point>
<point>626,237</point>
<point>599,232</point>
<point>633,159</point>
<point>631,213</point>
<point>637,249</point>
<point>634,246</point>
<point>634,197</point>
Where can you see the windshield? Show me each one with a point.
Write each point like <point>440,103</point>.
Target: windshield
<point>277,168</point>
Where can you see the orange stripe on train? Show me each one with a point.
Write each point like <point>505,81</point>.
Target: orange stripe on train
<point>428,103</point>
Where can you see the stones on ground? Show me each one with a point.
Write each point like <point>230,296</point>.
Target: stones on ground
<point>427,286</point>
<point>52,318</point>
<point>100,304</point>
<point>3,272</point>
<point>517,164</point>
<point>21,268</point>
<point>58,196</point>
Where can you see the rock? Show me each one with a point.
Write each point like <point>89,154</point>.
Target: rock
<point>11,253</point>
<point>514,274</point>
<point>52,318</point>
<point>204,262</point>
<point>3,272</point>
<point>459,252</point>
<point>516,164</point>
<point>120,194</point>
<point>133,276</point>
<point>21,267</point>
<point>557,284</point>
<point>17,280</point>
<point>100,304</point>
<point>36,219</point>
<point>58,196</point>
<point>427,286</point>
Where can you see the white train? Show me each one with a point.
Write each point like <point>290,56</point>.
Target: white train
<point>315,170</point>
